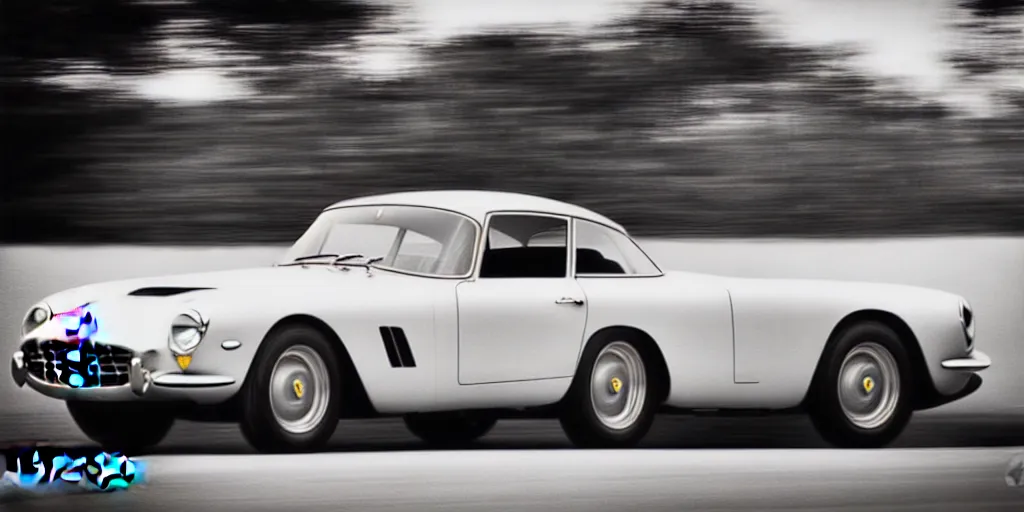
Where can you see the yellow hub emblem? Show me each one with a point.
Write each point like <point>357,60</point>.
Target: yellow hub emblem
<point>869,384</point>
<point>616,385</point>
<point>298,388</point>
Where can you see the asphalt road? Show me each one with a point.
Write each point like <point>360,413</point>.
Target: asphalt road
<point>941,463</point>
<point>555,480</point>
<point>931,429</point>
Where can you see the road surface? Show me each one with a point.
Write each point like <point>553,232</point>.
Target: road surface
<point>941,463</point>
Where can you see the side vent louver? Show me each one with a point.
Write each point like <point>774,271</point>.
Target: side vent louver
<point>397,347</point>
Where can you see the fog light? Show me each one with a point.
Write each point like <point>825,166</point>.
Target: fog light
<point>184,361</point>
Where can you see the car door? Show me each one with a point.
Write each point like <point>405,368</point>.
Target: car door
<point>523,316</point>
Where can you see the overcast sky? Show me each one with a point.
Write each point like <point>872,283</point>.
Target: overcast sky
<point>903,42</point>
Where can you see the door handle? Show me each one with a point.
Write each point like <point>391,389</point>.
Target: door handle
<point>569,300</point>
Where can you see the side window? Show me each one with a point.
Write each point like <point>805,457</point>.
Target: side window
<point>604,251</point>
<point>525,246</point>
<point>551,238</point>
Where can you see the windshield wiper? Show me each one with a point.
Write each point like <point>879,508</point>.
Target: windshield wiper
<point>314,257</point>
<point>342,260</point>
<point>346,257</point>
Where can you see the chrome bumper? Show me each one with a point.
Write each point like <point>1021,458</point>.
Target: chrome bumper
<point>138,377</point>
<point>19,370</point>
<point>976,361</point>
<point>140,383</point>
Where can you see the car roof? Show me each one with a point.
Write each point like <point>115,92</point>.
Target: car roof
<point>476,204</point>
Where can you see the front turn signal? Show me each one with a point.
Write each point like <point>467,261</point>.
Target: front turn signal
<point>184,361</point>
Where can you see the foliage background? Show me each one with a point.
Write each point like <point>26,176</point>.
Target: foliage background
<point>678,119</point>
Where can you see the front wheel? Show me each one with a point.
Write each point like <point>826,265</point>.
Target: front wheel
<point>125,427</point>
<point>862,394</point>
<point>291,401</point>
<point>611,402</point>
<point>449,429</point>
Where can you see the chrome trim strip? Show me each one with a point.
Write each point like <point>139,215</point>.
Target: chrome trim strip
<point>975,362</point>
<point>182,380</point>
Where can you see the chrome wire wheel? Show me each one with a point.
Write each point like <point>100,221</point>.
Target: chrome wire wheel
<point>299,390</point>
<point>869,385</point>
<point>618,386</point>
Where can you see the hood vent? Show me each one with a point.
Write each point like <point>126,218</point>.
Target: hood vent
<point>163,291</point>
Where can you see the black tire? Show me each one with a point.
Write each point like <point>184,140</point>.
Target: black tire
<point>824,405</point>
<point>449,428</point>
<point>578,417</point>
<point>258,423</point>
<point>127,427</point>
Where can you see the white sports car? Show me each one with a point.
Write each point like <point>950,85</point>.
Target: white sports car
<point>455,309</point>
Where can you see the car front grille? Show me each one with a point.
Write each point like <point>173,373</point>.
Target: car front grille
<point>94,364</point>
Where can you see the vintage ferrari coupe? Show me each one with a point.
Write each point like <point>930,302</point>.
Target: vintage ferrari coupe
<point>454,309</point>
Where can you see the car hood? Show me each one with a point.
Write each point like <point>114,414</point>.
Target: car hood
<point>180,289</point>
<point>125,308</point>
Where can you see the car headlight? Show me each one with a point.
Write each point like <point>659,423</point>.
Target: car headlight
<point>968,322</point>
<point>187,331</point>
<point>38,315</point>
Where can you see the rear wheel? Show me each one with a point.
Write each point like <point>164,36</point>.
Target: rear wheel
<point>291,401</point>
<point>449,428</point>
<point>126,427</point>
<point>611,402</point>
<point>862,396</point>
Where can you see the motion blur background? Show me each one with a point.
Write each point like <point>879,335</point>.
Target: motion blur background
<point>710,129</point>
<point>224,121</point>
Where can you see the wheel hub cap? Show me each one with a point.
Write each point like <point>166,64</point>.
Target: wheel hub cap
<point>619,386</point>
<point>299,390</point>
<point>869,385</point>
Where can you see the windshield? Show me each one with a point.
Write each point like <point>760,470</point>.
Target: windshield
<point>404,238</point>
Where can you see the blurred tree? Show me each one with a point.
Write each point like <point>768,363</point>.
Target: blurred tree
<point>282,31</point>
<point>580,117</point>
<point>682,119</point>
<point>990,51</point>
<point>113,32</point>
<point>994,7</point>
<point>40,121</point>
<point>45,124</point>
